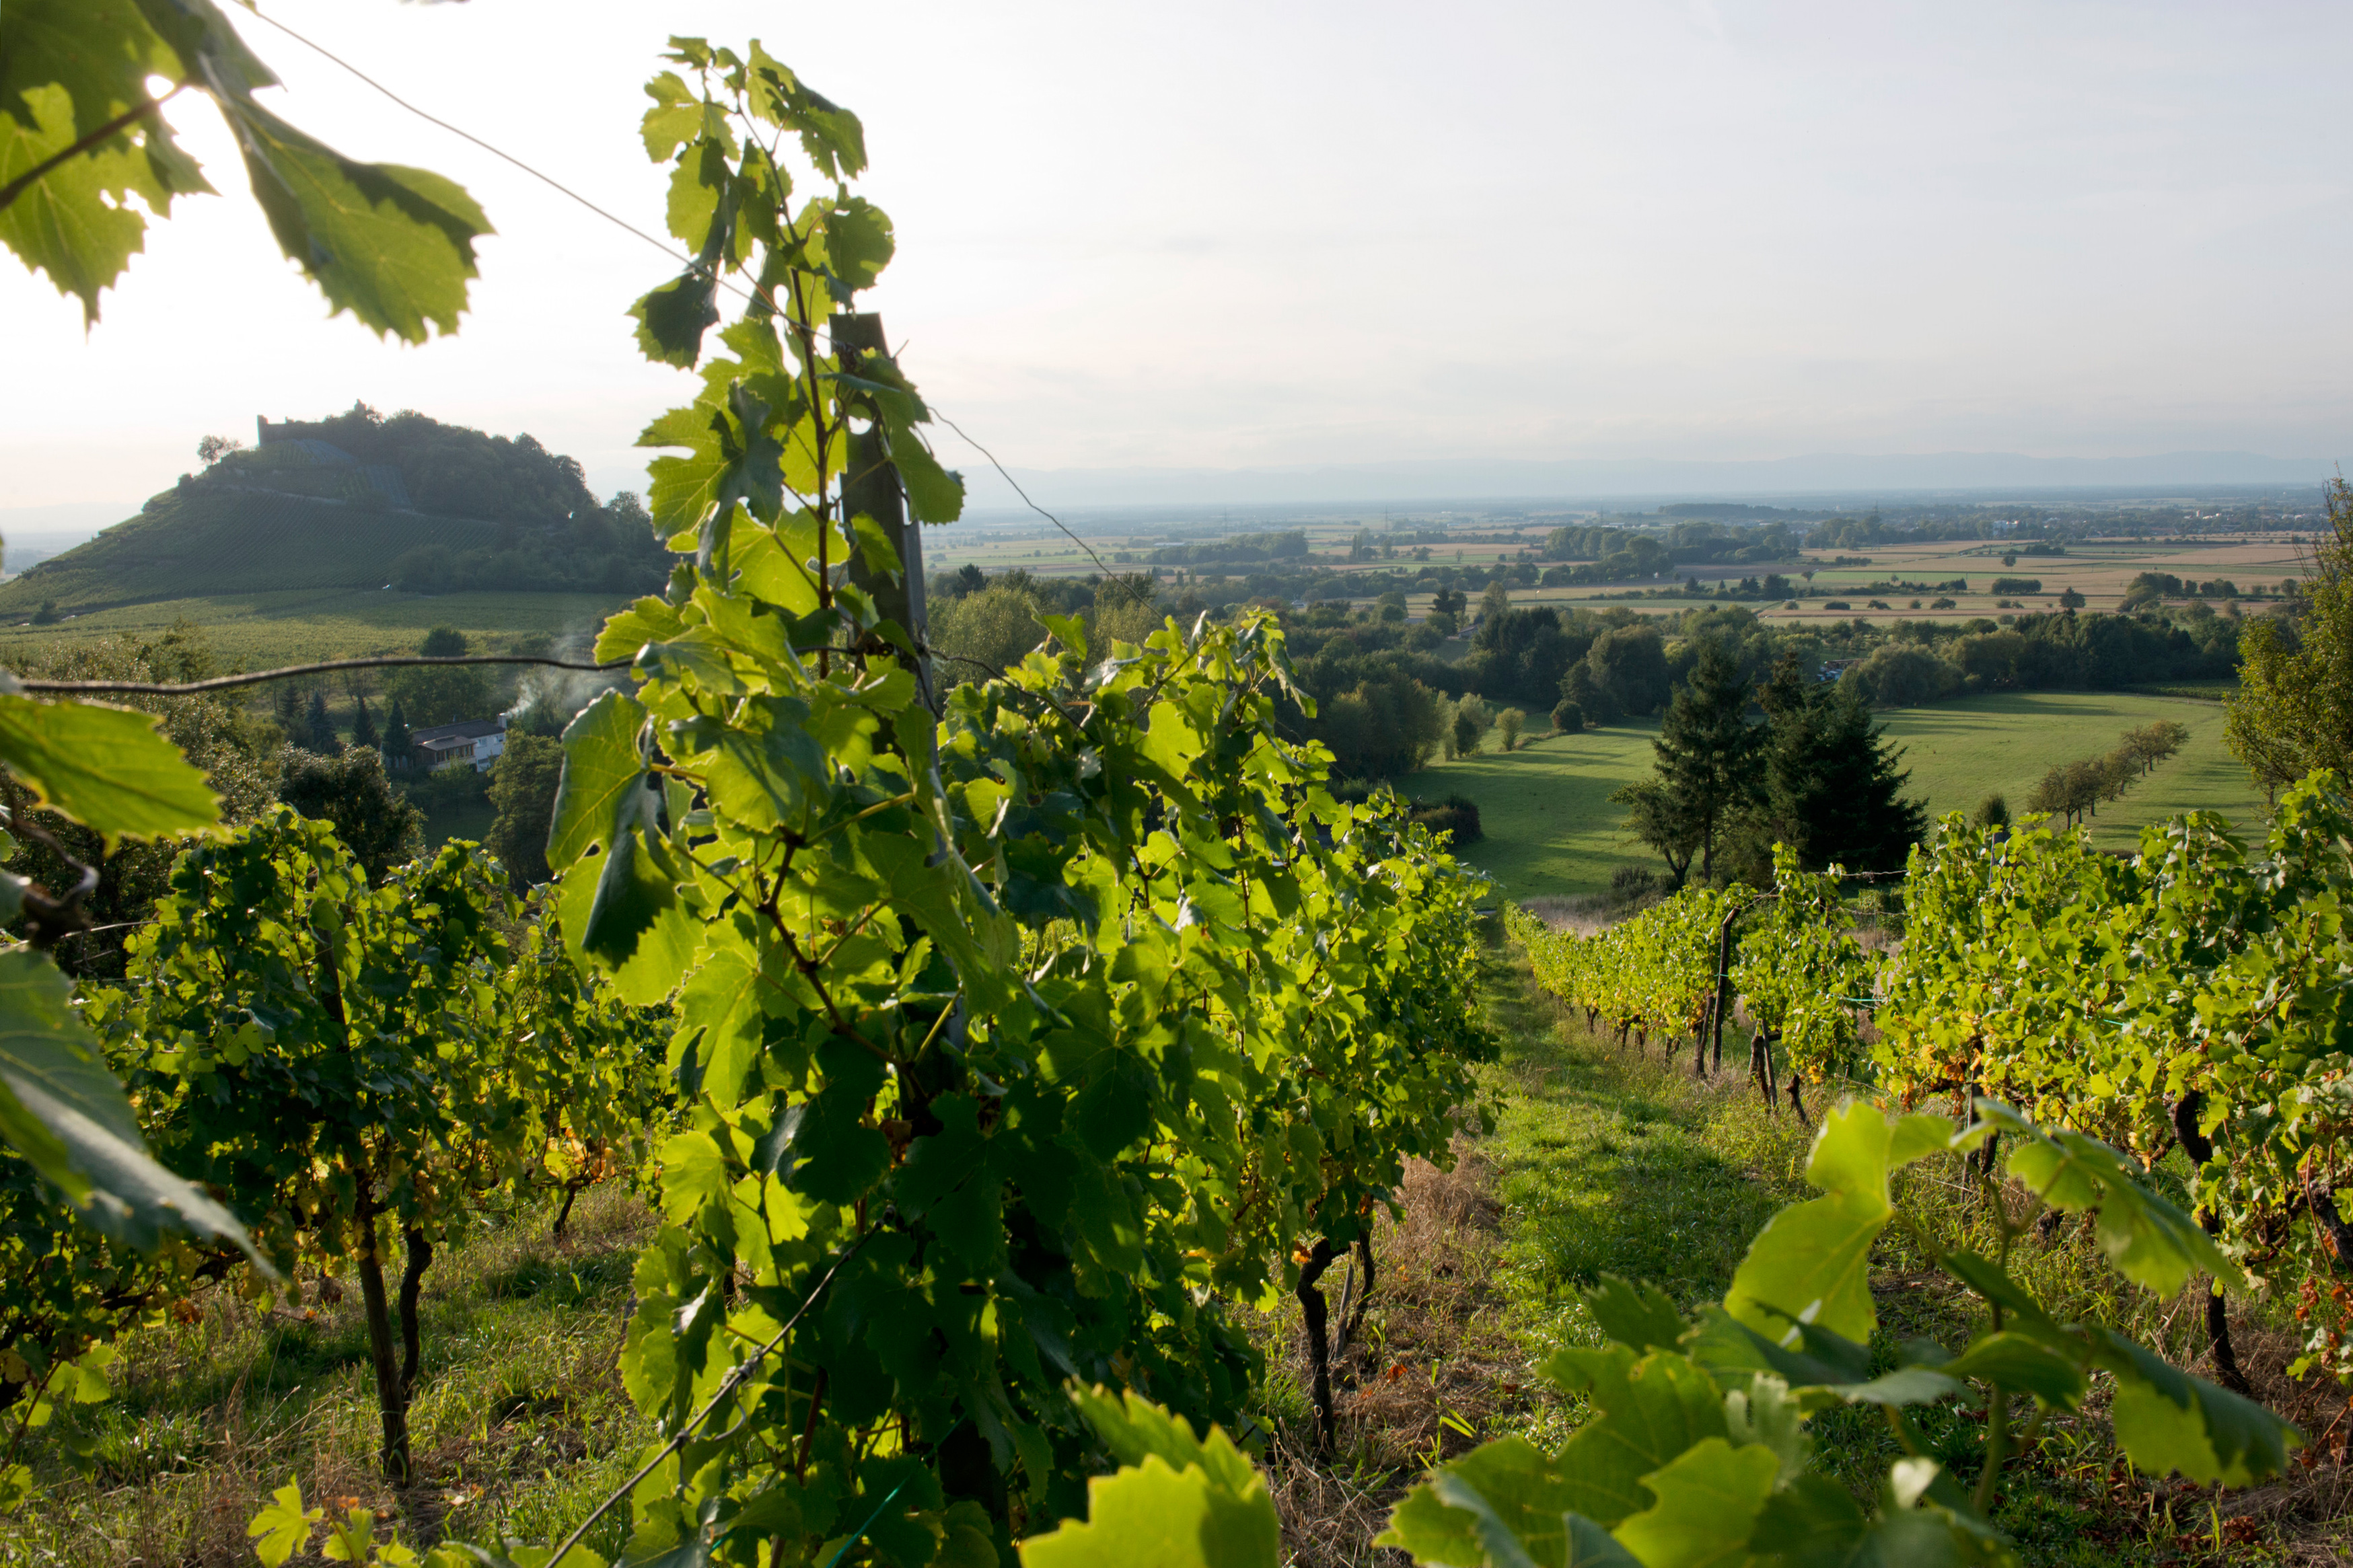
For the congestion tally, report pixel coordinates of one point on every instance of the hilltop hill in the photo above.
(361, 502)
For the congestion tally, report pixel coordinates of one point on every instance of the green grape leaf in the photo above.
(604, 775)
(620, 909)
(1811, 1261)
(392, 245)
(65, 1113)
(67, 223)
(1768, 1414)
(1817, 1359)
(2168, 1420)
(110, 769)
(1505, 1490)
(1812, 1520)
(1132, 1427)
(2023, 1364)
(1637, 1316)
(1708, 1499)
(2150, 1242)
(1151, 1515)
(281, 1530)
(1652, 1408)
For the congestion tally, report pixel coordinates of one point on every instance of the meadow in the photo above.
(1551, 830)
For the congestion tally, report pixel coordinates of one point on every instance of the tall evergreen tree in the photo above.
(1707, 749)
(364, 731)
(395, 737)
(1833, 790)
(318, 728)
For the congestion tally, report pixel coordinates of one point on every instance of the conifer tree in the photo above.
(395, 737)
(1833, 790)
(1707, 749)
(318, 728)
(363, 732)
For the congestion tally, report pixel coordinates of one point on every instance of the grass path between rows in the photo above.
(1604, 1161)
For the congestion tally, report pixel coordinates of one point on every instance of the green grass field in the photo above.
(1552, 832)
(257, 630)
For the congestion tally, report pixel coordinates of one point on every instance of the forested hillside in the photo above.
(405, 502)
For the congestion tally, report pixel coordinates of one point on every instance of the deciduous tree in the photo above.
(2294, 709)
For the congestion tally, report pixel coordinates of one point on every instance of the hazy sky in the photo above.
(1221, 235)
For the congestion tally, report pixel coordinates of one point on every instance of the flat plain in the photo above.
(1551, 830)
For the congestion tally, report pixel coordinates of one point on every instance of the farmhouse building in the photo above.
(478, 741)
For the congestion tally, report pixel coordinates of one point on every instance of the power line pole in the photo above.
(872, 487)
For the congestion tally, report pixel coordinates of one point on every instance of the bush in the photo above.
(1941, 603)
(1509, 723)
(1457, 814)
(1630, 884)
(2017, 585)
(47, 616)
(1836, 605)
(1568, 719)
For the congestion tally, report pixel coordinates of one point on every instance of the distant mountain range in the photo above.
(1597, 480)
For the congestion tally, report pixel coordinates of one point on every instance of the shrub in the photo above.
(1836, 605)
(1629, 884)
(1941, 605)
(1509, 723)
(1457, 814)
(1568, 719)
(2018, 584)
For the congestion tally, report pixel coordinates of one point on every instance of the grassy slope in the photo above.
(1551, 830)
(518, 1422)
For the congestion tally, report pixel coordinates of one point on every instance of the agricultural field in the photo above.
(1551, 830)
(2098, 569)
(257, 630)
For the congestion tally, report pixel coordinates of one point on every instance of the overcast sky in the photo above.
(1229, 235)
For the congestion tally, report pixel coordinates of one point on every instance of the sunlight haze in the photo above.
(1229, 236)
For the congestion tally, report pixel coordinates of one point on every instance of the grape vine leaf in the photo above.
(1708, 1498)
(2022, 1364)
(1177, 1501)
(2168, 1420)
(1811, 1261)
(392, 245)
(1650, 1408)
(2150, 1240)
(65, 1113)
(1636, 1315)
(621, 906)
(110, 769)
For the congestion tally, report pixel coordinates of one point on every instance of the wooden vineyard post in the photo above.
(870, 487)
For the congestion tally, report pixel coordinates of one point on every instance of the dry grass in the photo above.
(518, 1413)
(1432, 1372)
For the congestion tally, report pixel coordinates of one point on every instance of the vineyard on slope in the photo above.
(1012, 1031)
(2197, 995)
